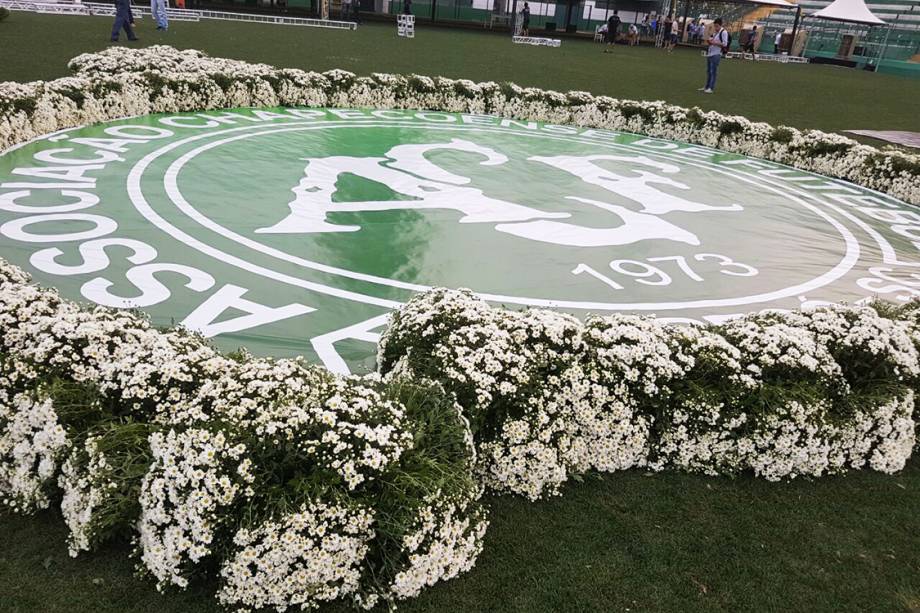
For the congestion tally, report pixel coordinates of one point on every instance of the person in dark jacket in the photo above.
(124, 18)
(613, 31)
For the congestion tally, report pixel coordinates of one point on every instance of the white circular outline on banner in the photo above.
(849, 259)
(845, 265)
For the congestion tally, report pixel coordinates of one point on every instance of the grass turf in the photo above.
(626, 541)
(824, 97)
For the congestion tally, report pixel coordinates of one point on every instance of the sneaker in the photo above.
(133, 39)
(707, 91)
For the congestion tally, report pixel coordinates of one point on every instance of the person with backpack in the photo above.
(718, 44)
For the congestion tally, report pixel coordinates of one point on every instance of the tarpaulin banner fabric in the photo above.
(296, 231)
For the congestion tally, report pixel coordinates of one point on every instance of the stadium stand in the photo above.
(892, 48)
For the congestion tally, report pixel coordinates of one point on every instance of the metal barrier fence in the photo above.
(278, 19)
(108, 10)
(103, 9)
(537, 41)
(59, 8)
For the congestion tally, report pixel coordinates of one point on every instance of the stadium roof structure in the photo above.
(851, 11)
(776, 3)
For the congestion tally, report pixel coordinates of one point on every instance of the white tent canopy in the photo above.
(854, 11)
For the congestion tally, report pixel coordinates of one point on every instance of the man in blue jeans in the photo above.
(158, 12)
(717, 43)
(123, 19)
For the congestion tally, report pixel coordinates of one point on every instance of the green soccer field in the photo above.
(822, 97)
(629, 541)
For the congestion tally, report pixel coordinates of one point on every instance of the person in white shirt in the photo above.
(718, 42)
(674, 36)
(777, 41)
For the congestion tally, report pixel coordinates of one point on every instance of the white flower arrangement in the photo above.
(779, 394)
(117, 351)
(195, 475)
(204, 456)
(307, 557)
(32, 443)
(540, 397)
(444, 541)
(84, 481)
(122, 82)
(339, 424)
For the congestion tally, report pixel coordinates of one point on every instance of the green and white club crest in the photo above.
(295, 231)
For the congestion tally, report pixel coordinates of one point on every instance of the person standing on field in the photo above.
(158, 12)
(674, 35)
(525, 20)
(718, 42)
(752, 39)
(613, 27)
(124, 19)
(664, 28)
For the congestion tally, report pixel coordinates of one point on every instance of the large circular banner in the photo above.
(295, 231)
